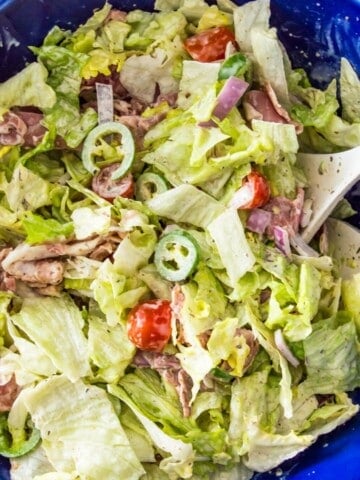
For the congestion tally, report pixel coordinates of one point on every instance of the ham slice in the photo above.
(35, 131)
(264, 105)
(8, 394)
(48, 272)
(140, 125)
(286, 213)
(22, 127)
(12, 129)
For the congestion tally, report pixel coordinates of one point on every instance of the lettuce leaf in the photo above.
(340, 133)
(39, 229)
(160, 287)
(109, 349)
(254, 36)
(26, 190)
(28, 87)
(186, 204)
(79, 274)
(349, 92)
(332, 358)
(34, 465)
(71, 419)
(350, 290)
(197, 363)
(317, 107)
(30, 363)
(246, 18)
(180, 460)
(251, 431)
(139, 439)
(90, 221)
(55, 326)
(266, 340)
(115, 293)
(141, 75)
(64, 68)
(135, 250)
(227, 232)
(196, 78)
(296, 317)
(162, 417)
(225, 344)
(93, 23)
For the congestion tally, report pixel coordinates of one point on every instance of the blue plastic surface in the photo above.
(316, 34)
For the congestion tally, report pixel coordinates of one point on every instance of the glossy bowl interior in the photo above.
(316, 33)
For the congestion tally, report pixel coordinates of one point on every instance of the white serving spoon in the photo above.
(344, 246)
(331, 176)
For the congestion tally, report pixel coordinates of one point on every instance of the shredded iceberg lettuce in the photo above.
(261, 338)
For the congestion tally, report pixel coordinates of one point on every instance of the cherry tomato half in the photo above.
(209, 45)
(254, 193)
(149, 325)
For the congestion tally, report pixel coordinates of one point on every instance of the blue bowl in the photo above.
(316, 33)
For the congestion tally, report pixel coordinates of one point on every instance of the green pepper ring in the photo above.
(235, 65)
(143, 191)
(127, 144)
(26, 447)
(178, 265)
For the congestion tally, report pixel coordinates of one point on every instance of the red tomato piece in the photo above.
(254, 193)
(149, 325)
(209, 45)
(105, 187)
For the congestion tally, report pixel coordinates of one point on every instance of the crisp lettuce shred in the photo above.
(264, 342)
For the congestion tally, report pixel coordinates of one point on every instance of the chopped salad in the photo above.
(161, 316)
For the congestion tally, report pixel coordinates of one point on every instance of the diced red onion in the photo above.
(243, 196)
(306, 213)
(258, 220)
(302, 248)
(233, 89)
(282, 240)
(283, 348)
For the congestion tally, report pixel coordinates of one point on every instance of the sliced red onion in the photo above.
(105, 102)
(283, 348)
(233, 89)
(306, 213)
(208, 124)
(282, 240)
(302, 248)
(243, 196)
(258, 220)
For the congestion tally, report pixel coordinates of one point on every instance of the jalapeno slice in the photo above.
(234, 66)
(176, 255)
(148, 185)
(95, 145)
(11, 449)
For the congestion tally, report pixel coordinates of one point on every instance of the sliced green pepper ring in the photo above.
(93, 146)
(10, 451)
(234, 66)
(176, 255)
(150, 184)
